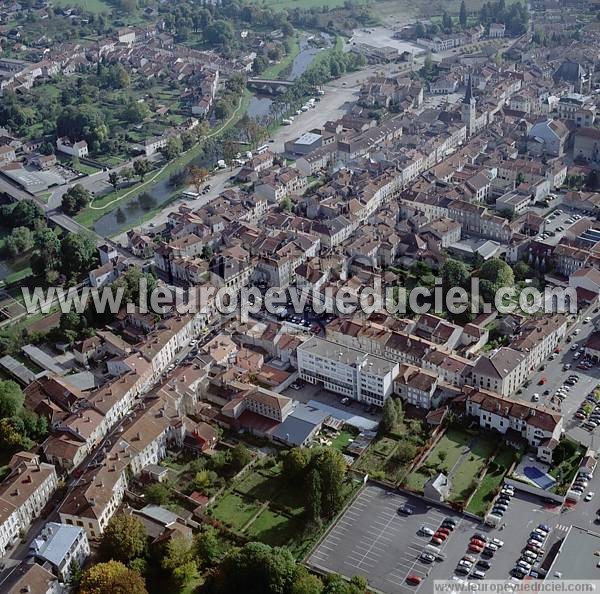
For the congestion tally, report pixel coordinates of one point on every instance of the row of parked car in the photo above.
(580, 484)
(589, 412)
(531, 553)
(473, 566)
(501, 503)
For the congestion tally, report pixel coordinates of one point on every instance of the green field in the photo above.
(490, 483)
(234, 511)
(94, 6)
(469, 470)
(450, 457)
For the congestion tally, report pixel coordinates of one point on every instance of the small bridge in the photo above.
(273, 87)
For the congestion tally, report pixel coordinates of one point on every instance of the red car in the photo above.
(440, 535)
(436, 541)
(414, 579)
(473, 548)
(477, 542)
(444, 531)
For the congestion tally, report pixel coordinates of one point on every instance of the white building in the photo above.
(347, 371)
(62, 546)
(541, 428)
(75, 149)
(497, 30)
(23, 495)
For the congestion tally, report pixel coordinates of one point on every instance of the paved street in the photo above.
(555, 376)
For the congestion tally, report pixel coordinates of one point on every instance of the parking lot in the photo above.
(557, 223)
(371, 539)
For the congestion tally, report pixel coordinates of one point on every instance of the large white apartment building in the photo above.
(23, 495)
(347, 371)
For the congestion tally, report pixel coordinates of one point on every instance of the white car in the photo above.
(589, 496)
(587, 320)
(426, 531)
(574, 347)
(498, 542)
(576, 331)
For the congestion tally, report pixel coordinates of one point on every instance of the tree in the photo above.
(124, 539)
(158, 494)
(462, 17)
(295, 463)
(74, 199)
(132, 281)
(522, 271)
(497, 272)
(563, 451)
(112, 578)
(141, 167)
(519, 179)
(256, 568)
(220, 32)
(173, 148)
(82, 122)
(196, 176)
(19, 241)
(420, 30)
(331, 467)
(26, 213)
(113, 179)
(78, 254)
(313, 499)
(240, 457)
(208, 550)
(389, 419)
(135, 112)
(454, 273)
(305, 582)
(12, 435)
(286, 204)
(11, 398)
(179, 559)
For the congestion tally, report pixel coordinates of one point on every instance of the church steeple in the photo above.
(468, 110)
(469, 92)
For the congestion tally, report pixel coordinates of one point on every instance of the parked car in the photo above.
(406, 510)
(415, 580)
(426, 531)
(427, 557)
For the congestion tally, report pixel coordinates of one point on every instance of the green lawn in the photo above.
(565, 472)
(491, 481)
(234, 511)
(445, 455)
(464, 476)
(94, 6)
(452, 443)
(342, 439)
(272, 528)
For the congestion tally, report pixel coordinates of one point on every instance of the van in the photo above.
(433, 550)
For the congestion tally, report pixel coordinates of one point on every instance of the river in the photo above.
(130, 213)
(260, 105)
